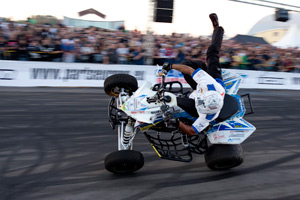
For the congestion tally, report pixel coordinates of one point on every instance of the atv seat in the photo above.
(229, 108)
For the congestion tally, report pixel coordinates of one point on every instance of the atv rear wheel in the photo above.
(224, 156)
(124, 162)
(114, 83)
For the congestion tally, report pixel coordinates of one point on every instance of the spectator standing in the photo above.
(138, 56)
(2, 46)
(157, 60)
(225, 60)
(179, 54)
(46, 49)
(236, 61)
(112, 54)
(296, 65)
(12, 47)
(104, 53)
(196, 53)
(68, 48)
(162, 50)
(254, 63)
(170, 55)
(33, 50)
(57, 51)
(22, 49)
(98, 57)
(123, 53)
(86, 52)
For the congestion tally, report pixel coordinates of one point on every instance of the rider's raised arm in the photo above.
(183, 69)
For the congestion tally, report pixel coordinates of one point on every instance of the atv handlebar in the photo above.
(160, 94)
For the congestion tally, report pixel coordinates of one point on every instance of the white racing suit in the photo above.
(205, 83)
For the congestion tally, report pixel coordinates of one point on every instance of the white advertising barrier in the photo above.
(269, 80)
(55, 74)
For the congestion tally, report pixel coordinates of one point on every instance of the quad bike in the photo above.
(132, 110)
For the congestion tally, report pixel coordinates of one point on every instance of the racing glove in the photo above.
(167, 66)
(170, 120)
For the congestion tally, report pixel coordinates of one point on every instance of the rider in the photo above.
(209, 92)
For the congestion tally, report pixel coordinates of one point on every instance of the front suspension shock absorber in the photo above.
(128, 133)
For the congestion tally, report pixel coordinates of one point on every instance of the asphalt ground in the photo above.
(53, 142)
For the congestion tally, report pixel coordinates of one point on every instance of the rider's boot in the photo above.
(214, 19)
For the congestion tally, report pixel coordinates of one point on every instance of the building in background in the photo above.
(109, 25)
(271, 30)
(291, 39)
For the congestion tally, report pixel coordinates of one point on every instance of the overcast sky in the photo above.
(190, 16)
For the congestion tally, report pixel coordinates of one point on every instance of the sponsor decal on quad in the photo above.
(138, 112)
(216, 136)
(237, 135)
(234, 139)
(155, 112)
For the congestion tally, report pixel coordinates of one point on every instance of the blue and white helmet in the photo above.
(210, 102)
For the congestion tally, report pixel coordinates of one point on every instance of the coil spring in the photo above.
(127, 133)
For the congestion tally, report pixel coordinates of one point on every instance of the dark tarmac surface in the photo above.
(54, 141)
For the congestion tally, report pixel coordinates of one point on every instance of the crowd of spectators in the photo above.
(58, 43)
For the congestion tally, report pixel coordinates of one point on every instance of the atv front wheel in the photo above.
(114, 83)
(124, 162)
(224, 156)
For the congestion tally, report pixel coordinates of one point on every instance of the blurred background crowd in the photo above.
(58, 43)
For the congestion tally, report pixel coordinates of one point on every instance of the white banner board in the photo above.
(57, 74)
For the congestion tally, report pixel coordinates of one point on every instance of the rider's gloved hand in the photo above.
(170, 120)
(167, 66)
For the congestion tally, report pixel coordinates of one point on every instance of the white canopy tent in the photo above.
(290, 39)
